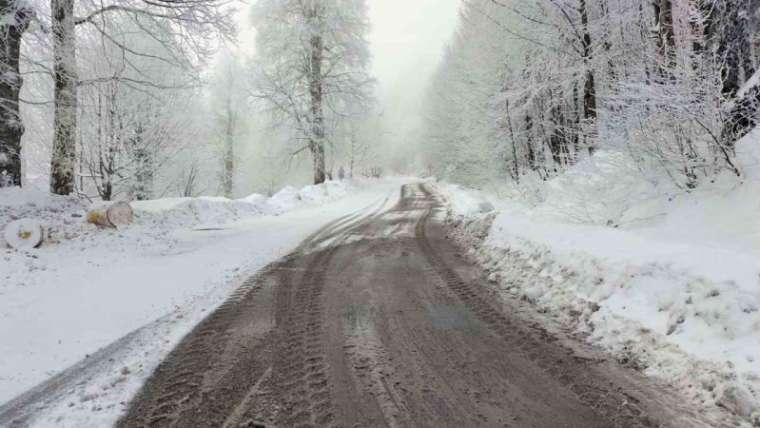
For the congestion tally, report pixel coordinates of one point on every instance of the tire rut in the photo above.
(218, 373)
(300, 369)
(563, 367)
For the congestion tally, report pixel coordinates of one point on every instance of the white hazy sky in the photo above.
(407, 38)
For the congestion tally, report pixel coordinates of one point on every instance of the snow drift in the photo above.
(64, 216)
(668, 282)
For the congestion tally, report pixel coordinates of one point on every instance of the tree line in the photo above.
(530, 88)
(116, 93)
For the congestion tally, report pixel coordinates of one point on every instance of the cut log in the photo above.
(24, 234)
(110, 214)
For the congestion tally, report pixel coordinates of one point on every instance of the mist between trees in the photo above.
(141, 99)
(526, 89)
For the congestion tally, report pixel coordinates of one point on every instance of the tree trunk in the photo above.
(317, 138)
(144, 166)
(11, 128)
(229, 165)
(607, 36)
(577, 125)
(228, 169)
(515, 164)
(666, 38)
(729, 30)
(529, 143)
(63, 161)
(743, 117)
(589, 87)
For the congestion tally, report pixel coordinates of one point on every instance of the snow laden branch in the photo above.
(531, 88)
(144, 45)
(311, 68)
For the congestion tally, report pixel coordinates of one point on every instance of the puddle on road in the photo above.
(356, 318)
(448, 317)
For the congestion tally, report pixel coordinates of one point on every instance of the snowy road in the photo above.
(377, 320)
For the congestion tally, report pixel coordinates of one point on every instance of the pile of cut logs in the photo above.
(27, 233)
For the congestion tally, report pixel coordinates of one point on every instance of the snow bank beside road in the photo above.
(677, 294)
(216, 211)
(64, 216)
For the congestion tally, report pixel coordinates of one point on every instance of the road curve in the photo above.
(378, 321)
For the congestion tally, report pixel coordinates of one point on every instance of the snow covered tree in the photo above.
(15, 20)
(186, 28)
(730, 29)
(540, 85)
(311, 67)
(63, 161)
(228, 107)
(135, 113)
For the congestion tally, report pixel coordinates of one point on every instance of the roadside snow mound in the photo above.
(284, 200)
(668, 283)
(289, 197)
(255, 199)
(313, 193)
(64, 216)
(598, 190)
(194, 212)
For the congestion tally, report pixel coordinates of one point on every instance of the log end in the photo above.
(24, 234)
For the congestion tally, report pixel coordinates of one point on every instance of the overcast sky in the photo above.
(407, 40)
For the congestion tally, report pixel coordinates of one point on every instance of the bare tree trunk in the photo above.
(515, 164)
(730, 29)
(532, 164)
(229, 164)
(607, 42)
(577, 130)
(228, 179)
(317, 138)
(666, 39)
(11, 128)
(65, 98)
(589, 87)
(144, 165)
(666, 50)
(555, 138)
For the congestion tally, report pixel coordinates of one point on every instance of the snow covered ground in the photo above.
(87, 287)
(668, 282)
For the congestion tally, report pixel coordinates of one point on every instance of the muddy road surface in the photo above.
(379, 321)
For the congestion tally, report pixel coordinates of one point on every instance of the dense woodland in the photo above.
(527, 89)
(148, 98)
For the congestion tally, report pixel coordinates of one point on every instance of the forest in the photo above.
(134, 98)
(141, 99)
(145, 99)
(526, 90)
